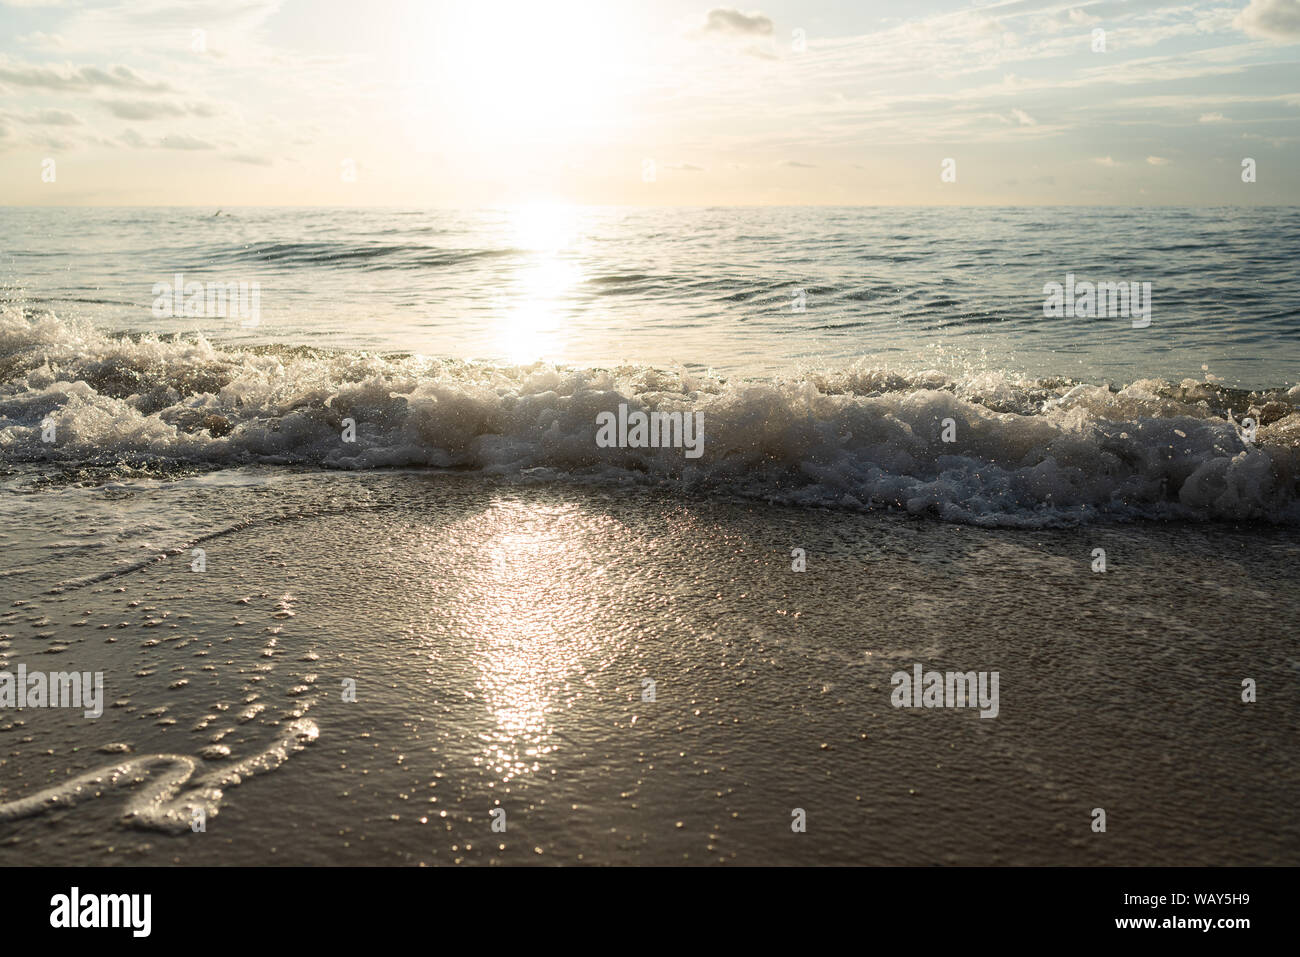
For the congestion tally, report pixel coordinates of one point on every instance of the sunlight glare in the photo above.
(531, 323)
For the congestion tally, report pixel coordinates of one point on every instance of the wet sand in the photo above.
(499, 637)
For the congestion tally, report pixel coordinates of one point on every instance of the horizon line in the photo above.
(554, 202)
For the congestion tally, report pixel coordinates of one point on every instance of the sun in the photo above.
(502, 73)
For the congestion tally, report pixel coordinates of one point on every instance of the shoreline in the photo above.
(500, 636)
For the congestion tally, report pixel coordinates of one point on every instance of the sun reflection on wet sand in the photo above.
(530, 634)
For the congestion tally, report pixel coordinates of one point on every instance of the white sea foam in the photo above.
(161, 804)
(1025, 453)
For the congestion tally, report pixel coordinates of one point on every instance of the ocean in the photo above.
(320, 494)
(826, 348)
(750, 292)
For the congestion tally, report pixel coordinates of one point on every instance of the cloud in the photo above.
(953, 76)
(156, 109)
(1157, 161)
(141, 109)
(56, 118)
(1271, 19)
(53, 142)
(46, 118)
(727, 20)
(165, 28)
(72, 78)
(180, 141)
(174, 141)
(40, 40)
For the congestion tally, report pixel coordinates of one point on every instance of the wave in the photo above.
(371, 256)
(984, 448)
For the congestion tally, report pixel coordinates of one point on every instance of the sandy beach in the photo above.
(500, 636)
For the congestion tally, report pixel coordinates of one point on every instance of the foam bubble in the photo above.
(1026, 453)
(161, 804)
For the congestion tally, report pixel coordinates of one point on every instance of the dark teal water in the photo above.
(958, 289)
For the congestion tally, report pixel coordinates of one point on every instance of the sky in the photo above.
(664, 102)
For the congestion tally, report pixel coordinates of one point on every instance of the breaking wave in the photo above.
(1025, 453)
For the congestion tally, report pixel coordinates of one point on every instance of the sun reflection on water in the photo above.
(532, 323)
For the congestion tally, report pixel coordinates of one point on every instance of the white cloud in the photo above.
(727, 20)
(56, 118)
(174, 141)
(156, 109)
(46, 117)
(76, 78)
(180, 141)
(1271, 19)
(40, 41)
